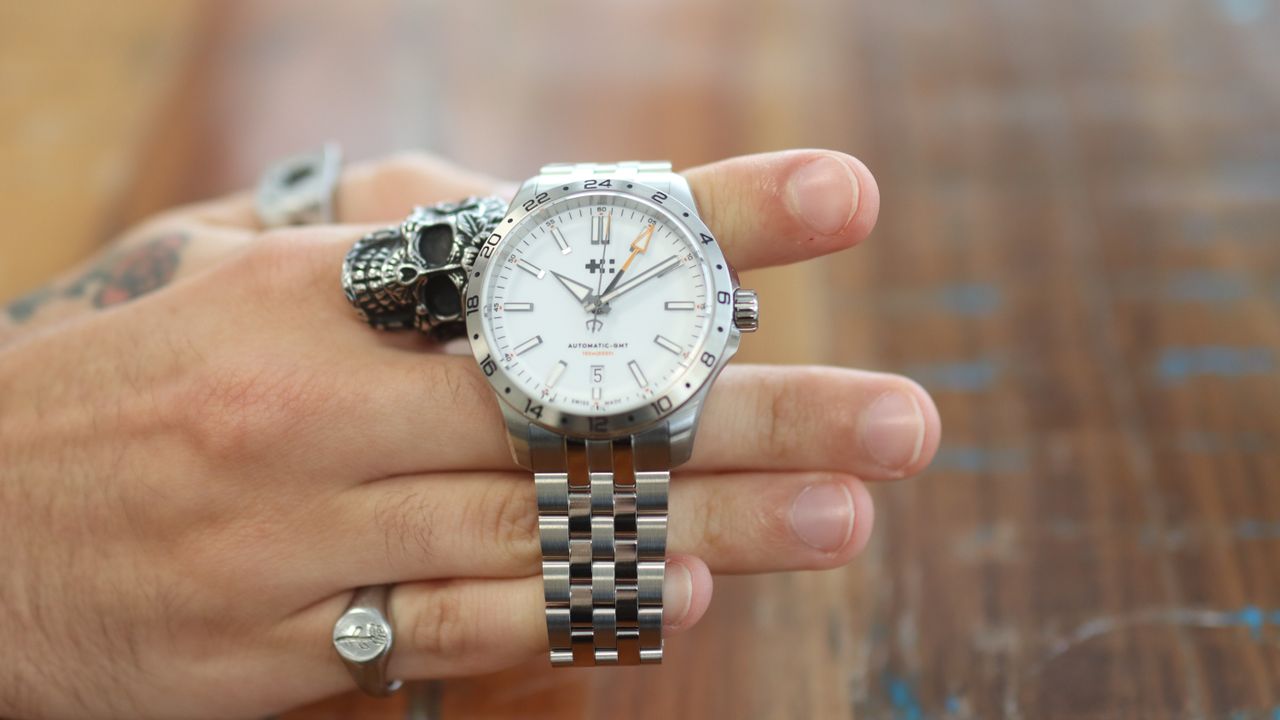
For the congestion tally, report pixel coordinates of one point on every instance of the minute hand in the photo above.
(660, 269)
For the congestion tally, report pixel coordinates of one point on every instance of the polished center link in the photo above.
(603, 527)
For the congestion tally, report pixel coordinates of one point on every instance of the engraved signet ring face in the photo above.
(363, 638)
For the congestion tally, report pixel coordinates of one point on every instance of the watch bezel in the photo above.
(721, 339)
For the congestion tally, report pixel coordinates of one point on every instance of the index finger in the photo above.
(767, 209)
(783, 207)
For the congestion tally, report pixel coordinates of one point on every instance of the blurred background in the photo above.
(1078, 254)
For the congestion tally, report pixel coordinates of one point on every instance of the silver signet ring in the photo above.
(363, 638)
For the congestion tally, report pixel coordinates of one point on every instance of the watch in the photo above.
(600, 310)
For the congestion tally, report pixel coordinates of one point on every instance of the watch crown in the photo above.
(746, 310)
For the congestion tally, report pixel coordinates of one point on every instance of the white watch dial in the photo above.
(597, 303)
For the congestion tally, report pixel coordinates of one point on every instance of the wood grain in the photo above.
(1078, 255)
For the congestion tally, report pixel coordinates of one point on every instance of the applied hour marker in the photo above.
(679, 305)
(667, 345)
(556, 372)
(596, 393)
(528, 345)
(601, 224)
(530, 268)
(559, 238)
(517, 307)
(637, 373)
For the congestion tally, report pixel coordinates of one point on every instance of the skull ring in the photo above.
(413, 276)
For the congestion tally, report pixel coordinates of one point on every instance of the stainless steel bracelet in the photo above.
(602, 520)
(602, 505)
(654, 173)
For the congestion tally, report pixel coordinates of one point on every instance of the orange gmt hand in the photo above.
(639, 245)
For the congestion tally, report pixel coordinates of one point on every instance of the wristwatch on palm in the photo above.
(601, 309)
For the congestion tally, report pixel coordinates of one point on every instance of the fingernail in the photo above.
(822, 516)
(892, 430)
(823, 194)
(677, 593)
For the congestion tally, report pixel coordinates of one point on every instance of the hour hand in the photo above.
(579, 290)
(658, 270)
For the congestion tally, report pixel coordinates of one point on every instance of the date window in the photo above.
(597, 374)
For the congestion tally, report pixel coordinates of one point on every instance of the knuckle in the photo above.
(408, 520)
(781, 415)
(461, 381)
(389, 176)
(715, 203)
(801, 414)
(715, 535)
(278, 260)
(768, 524)
(245, 406)
(441, 628)
(398, 164)
(503, 516)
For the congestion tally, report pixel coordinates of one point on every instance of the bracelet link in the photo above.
(603, 529)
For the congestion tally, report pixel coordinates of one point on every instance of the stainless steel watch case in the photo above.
(674, 414)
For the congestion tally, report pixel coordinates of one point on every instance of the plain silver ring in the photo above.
(300, 190)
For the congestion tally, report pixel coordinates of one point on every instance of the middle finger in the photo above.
(874, 425)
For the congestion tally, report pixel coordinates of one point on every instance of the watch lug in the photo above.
(683, 425)
(528, 189)
(681, 191)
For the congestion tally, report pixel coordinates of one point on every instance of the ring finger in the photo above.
(447, 628)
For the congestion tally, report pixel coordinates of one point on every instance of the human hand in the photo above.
(192, 483)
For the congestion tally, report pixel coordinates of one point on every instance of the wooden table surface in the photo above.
(1078, 254)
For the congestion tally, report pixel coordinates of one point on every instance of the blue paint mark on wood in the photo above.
(1179, 537)
(1179, 364)
(1243, 12)
(976, 459)
(964, 376)
(902, 696)
(970, 299)
(1206, 286)
(1253, 618)
(963, 299)
(1210, 442)
(953, 704)
(1256, 530)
